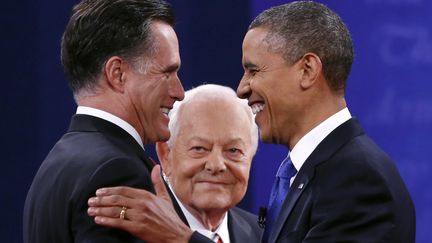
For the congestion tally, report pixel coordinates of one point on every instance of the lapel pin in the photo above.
(301, 186)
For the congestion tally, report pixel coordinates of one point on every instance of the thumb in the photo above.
(158, 183)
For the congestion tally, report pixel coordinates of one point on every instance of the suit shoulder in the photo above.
(238, 212)
(243, 221)
(362, 156)
(243, 226)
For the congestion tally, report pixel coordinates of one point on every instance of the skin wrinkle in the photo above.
(209, 168)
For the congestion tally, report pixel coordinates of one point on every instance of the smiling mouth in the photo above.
(257, 107)
(212, 182)
(165, 110)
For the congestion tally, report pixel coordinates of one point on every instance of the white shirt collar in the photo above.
(113, 119)
(196, 225)
(307, 144)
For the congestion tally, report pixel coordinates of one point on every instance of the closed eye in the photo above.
(253, 71)
(250, 68)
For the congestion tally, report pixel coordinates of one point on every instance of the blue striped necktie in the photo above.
(279, 191)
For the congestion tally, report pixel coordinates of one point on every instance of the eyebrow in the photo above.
(249, 65)
(171, 68)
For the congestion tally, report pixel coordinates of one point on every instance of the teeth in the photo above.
(257, 108)
(165, 110)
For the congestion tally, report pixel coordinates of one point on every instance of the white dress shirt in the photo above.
(113, 119)
(307, 144)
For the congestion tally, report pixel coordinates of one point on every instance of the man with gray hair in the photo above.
(206, 164)
(122, 58)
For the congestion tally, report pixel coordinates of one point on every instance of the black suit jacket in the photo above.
(94, 153)
(242, 225)
(348, 190)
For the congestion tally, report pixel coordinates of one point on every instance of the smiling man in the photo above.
(207, 162)
(336, 184)
(206, 165)
(122, 59)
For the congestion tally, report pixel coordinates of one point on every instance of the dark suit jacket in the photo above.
(242, 225)
(93, 153)
(348, 190)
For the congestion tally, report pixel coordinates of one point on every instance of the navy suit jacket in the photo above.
(348, 190)
(94, 153)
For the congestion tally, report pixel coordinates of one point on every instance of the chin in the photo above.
(163, 136)
(212, 202)
(266, 138)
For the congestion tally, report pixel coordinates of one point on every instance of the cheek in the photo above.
(240, 174)
(152, 93)
(182, 187)
(241, 171)
(182, 179)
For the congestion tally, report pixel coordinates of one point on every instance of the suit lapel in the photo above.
(177, 207)
(335, 140)
(236, 234)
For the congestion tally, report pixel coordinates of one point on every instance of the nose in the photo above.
(244, 90)
(176, 90)
(215, 163)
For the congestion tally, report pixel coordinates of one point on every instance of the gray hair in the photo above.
(210, 91)
(305, 26)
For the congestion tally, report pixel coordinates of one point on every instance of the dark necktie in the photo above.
(279, 191)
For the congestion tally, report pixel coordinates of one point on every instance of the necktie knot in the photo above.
(287, 169)
(217, 238)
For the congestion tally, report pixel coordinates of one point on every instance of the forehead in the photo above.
(162, 30)
(214, 119)
(255, 38)
(259, 49)
(166, 41)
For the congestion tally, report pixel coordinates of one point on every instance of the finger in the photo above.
(111, 212)
(105, 201)
(116, 223)
(158, 183)
(118, 190)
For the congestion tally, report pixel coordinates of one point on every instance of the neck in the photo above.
(111, 104)
(209, 218)
(315, 115)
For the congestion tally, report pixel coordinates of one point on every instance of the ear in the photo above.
(312, 66)
(114, 73)
(163, 152)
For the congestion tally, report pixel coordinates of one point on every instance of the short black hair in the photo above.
(305, 26)
(99, 29)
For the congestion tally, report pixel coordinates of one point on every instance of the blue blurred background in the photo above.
(389, 89)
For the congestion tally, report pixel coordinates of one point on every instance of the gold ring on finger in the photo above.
(123, 212)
